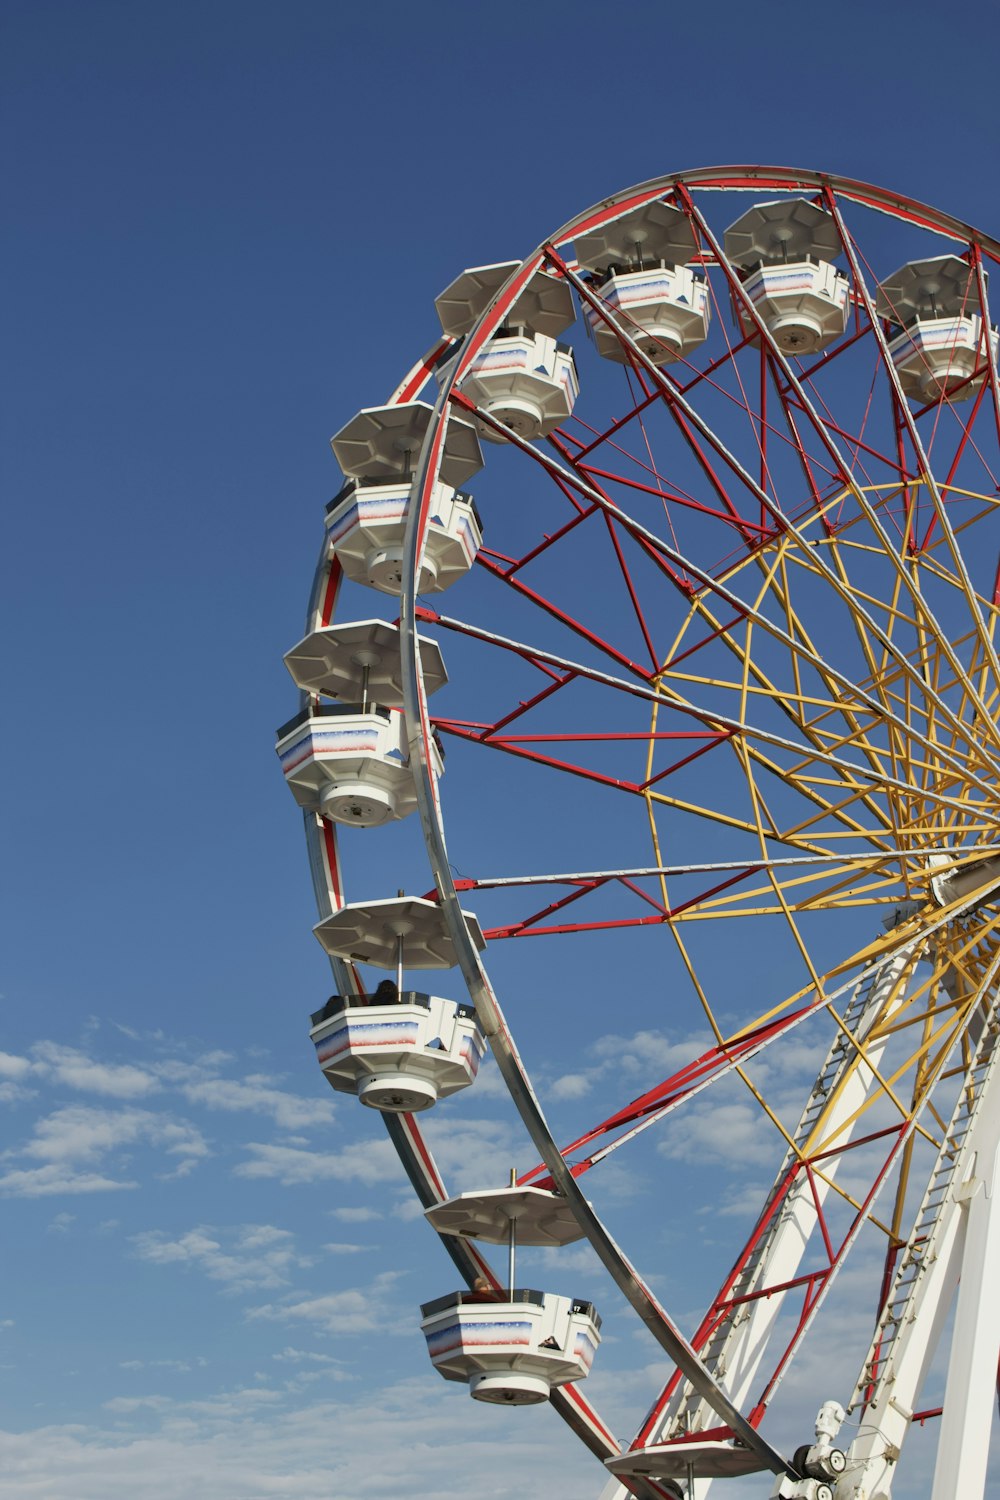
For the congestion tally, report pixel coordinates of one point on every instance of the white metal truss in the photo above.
(955, 1234)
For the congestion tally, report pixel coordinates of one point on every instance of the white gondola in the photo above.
(511, 1352)
(938, 346)
(378, 450)
(638, 270)
(664, 308)
(350, 763)
(819, 1464)
(952, 881)
(786, 249)
(370, 932)
(687, 1458)
(401, 1057)
(524, 378)
(366, 526)
(526, 381)
(384, 443)
(511, 1347)
(362, 661)
(523, 1215)
(938, 357)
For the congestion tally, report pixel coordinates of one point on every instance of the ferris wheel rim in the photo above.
(655, 1317)
(753, 178)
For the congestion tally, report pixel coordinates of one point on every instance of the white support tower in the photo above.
(954, 1243)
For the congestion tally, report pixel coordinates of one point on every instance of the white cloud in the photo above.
(181, 1071)
(179, 1366)
(13, 1070)
(288, 1355)
(476, 1154)
(365, 1161)
(130, 1404)
(262, 1236)
(15, 1093)
(417, 1437)
(42, 1182)
(731, 1134)
(350, 1310)
(60, 1224)
(183, 1169)
(571, 1086)
(250, 1257)
(340, 1248)
(80, 1132)
(489, 1083)
(78, 1136)
(644, 1057)
(646, 1050)
(354, 1215)
(78, 1071)
(740, 1199)
(256, 1094)
(408, 1209)
(556, 1262)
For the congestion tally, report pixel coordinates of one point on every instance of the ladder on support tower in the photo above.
(921, 1250)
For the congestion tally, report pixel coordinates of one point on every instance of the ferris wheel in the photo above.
(658, 610)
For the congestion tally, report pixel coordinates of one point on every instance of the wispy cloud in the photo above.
(161, 1447)
(83, 1133)
(178, 1366)
(13, 1067)
(78, 1070)
(43, 1182)
(478, 1155)
(74, 1141)
(571, 1086)
(365, 1161)
(354, 1215)
(256, 1095)
(288, 1355)
(14, 1075)
(349, 1310)
(249, 1257)
(15, 1093)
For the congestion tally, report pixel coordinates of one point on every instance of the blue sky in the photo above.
(226, 224)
